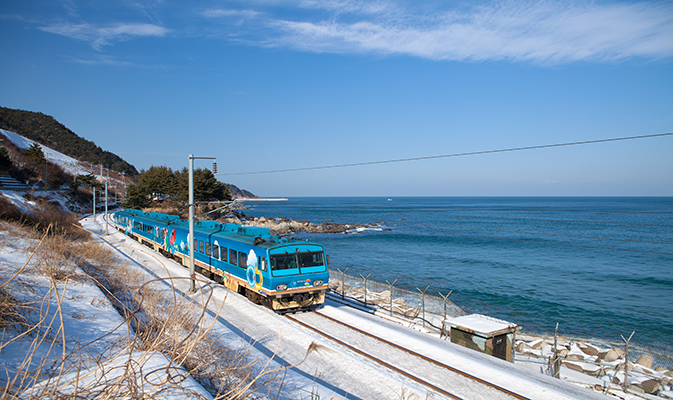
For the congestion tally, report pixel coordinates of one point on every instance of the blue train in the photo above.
(280, 273)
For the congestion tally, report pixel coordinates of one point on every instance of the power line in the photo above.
(546, 146)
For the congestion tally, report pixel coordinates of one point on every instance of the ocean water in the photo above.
(599, 266)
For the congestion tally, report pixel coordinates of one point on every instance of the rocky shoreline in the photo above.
(588, 363)
(606, 365)
(286, 226)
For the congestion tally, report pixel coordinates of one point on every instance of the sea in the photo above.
(600, 267)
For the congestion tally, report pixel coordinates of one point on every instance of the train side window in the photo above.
(232, 256)
(196, 245)
(200, 246)
(263, 264)
(216, 251)
(242, 260)
(208, 248)
(223, 254)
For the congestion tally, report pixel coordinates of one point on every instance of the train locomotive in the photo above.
(280, 273)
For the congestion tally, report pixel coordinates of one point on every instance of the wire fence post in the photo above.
(391, 296)
(626, 361)
(423, 302)
(556, 365)
(365, 279)
(343, 284)
(442, 332)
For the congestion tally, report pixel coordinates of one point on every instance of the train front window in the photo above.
(313, 259)
(283, 261)
(282, 264)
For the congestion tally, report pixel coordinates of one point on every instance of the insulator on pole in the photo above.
(214, 167)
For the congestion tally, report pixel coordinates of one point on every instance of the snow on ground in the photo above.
(329, 370)
(28, 206)
(68, 164)
(18, 199)
(310, 365)
(84, 320)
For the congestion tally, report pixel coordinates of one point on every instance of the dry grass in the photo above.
(14, 314)
(157, 323)
(45, 215)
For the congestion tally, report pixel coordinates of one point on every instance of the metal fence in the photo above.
(425, 309)
(391, 295)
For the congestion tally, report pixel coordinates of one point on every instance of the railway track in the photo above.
(441, 379)
(437, 377)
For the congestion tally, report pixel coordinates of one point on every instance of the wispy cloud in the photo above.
(217, 13)
(100, 36)
(543, 32)
(100, 59)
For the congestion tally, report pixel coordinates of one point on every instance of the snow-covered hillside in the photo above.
(68, 164)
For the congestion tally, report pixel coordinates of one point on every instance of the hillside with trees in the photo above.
(48, 131)
(148, 188)
(163, 185)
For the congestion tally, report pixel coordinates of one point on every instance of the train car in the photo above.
(280, 273)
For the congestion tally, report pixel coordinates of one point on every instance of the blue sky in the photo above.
(273, 84)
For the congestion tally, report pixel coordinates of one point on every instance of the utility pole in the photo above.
(192, 272)
(106, 216)
(94, 203)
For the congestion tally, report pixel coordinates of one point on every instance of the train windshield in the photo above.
(297, 263)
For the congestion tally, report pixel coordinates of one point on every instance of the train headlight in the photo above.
(317, 283)
(281, 287)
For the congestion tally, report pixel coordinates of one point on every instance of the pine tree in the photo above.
(5, 161)
(35, 154)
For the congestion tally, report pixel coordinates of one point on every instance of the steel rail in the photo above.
(440, 390)
(377, 360)
(425, 358)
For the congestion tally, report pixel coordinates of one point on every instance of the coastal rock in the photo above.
(585, 368)
(669, 373)
(650, 386)
(588, 349)
(645, 360)
(385, 294)
(284, 226)
(572, 365)
(609, 355)
(636, 389)
(537, 344)
(374, 300)
(231, 220)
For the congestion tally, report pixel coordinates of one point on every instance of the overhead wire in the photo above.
(545, 146)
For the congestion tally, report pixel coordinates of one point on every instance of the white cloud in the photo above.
(99, 36)
(218, 13)
(545, 32)
(102, 60)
